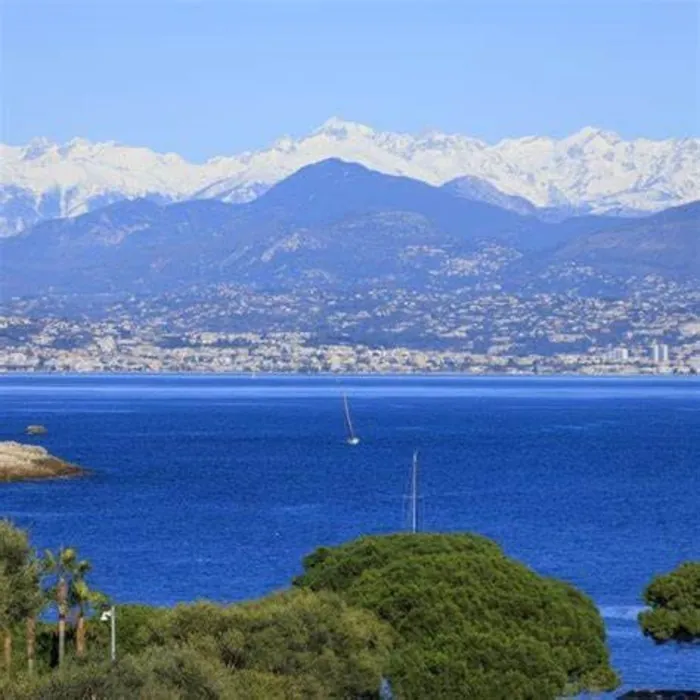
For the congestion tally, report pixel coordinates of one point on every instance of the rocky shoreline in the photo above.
(20, 462)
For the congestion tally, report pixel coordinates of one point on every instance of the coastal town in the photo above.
(296, 353)
(228, 329)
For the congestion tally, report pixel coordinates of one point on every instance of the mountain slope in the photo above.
(333, 225)
(668, 242)
(591, 170)
(478, 190)
(333, 221)
(334, 189)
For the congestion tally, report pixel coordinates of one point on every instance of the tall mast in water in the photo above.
(414, 492)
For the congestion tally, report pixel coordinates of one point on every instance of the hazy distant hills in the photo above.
(333, 224)
(591, 171)
(665, 243)
(478, 190)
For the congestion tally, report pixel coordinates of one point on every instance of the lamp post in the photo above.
(111, 615)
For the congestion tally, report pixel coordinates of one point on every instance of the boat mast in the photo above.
(414, 493)
(347, 416)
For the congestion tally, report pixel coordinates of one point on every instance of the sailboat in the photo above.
(352, 439)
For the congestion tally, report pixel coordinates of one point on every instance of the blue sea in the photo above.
(216, 487)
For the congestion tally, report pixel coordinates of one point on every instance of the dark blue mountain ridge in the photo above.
(334, 222)
(321, 193)
(667, 242)
(111, 224)
(102, 225)
(142, 243)
(333, 189)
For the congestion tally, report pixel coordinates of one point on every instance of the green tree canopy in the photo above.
(20, 591)
(18, 565)
(316, 638)
(297, 645)
(471, 623)
(674, 601)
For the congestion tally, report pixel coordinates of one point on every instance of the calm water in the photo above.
(216, 487)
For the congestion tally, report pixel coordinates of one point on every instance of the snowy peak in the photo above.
(591, 170)
(592, 140)
(588, 133)
(338, 128)
(36, 148)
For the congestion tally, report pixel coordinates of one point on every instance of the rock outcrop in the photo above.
(24, 462)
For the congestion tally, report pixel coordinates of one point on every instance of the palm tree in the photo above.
(6, 617)
(60, 569)
(84, 599)
(31, 643)
(34, 602)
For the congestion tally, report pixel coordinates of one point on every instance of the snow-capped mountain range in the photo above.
(590, 171)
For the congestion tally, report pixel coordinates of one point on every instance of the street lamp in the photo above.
(111, 615)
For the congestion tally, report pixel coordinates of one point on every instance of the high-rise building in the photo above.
(659, 353)
(618, 355)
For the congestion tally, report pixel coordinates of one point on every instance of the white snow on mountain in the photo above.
(591, 170)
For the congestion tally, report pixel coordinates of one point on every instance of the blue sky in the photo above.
(208, 77)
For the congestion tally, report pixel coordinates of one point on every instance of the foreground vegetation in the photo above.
(446, 616)
(674, 601)
(470, 622)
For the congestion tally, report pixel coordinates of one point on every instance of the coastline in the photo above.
(397, 374)
(22, 462)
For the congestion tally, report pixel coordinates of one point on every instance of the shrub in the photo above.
(674, 600)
